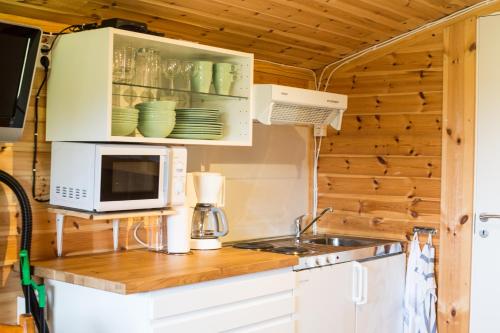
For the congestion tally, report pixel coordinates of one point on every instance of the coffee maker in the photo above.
(209, 221)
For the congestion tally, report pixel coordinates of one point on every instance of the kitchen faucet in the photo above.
(298, 222)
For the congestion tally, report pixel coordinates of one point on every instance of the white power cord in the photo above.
(338, 64)
(313, 73)
(393, 40)
(317, 149)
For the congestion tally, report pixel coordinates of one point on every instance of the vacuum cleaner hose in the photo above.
(26, 231)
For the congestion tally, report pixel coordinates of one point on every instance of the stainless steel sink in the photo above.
(324, 249)
(340, 241)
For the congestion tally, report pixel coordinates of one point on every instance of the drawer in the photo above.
(213, 294)
(271, 313)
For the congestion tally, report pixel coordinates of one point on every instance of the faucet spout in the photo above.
(326, 210)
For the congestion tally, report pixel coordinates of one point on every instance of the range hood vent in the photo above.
(275, 104)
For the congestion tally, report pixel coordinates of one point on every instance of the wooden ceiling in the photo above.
(304, 33)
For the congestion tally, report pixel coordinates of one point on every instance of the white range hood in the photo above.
(275, 104)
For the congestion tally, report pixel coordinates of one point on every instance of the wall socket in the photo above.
(45, 43)
(319, 130)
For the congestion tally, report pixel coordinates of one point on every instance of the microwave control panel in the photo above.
(177, 171)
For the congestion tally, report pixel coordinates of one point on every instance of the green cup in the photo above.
(223, 77)
(201, 76)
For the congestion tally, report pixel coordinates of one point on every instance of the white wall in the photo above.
(266, 184)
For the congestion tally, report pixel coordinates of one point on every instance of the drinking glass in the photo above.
(148, 64)
(171, 68)
(124, 64)
(156, 234)
(185, 71)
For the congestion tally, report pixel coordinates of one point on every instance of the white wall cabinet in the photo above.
(258, 303)
(364, 297)
(81, 90)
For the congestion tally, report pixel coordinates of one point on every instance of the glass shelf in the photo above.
(136, 93)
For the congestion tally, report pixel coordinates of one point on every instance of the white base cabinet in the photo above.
(354, 297)
(364, 297)
(257, 303)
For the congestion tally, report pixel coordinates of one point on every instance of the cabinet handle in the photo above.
(364, 283)
(357, 285)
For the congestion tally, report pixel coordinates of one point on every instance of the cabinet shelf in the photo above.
(133, 90)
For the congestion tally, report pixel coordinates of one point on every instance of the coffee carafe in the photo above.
(209, 221)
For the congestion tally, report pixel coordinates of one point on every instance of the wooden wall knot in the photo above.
(381, 160)
(464, 219)
(472, 47)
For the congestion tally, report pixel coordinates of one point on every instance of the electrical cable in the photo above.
(45, 63)
(71, 28)
(357, 55)
(44, 60)
(313, 73)
(393, 40)
(317, 149)
(30, 296)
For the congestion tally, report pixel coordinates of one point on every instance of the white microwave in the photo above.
(112, 177)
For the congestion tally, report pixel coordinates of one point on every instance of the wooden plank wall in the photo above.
(405, 154)
(80, 236)
(382, 171)
(457, 190)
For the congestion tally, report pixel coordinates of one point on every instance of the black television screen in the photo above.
(20, 46)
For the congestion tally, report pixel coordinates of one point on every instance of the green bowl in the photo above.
(157, 118)
(163, 112)
(161, 105)
(123, 109)
(156, 129)
(127, 116)
(128, 112)
(124, 120)
(123, 128)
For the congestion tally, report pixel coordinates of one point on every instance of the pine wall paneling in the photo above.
(414, 104)
(381, 172)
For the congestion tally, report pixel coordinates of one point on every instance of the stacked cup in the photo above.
(156, 118)
(201, 76)
(224, 74)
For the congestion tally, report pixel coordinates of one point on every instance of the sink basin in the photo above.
(337, 241)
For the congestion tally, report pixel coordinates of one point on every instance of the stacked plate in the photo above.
(156, 118)
(197, 123)
(124, 120)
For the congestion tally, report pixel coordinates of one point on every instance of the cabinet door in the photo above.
(324, 302)
(382, 310)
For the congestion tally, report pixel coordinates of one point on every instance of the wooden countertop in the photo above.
(137, 271)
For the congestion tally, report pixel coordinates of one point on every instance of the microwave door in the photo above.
(129, 182)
